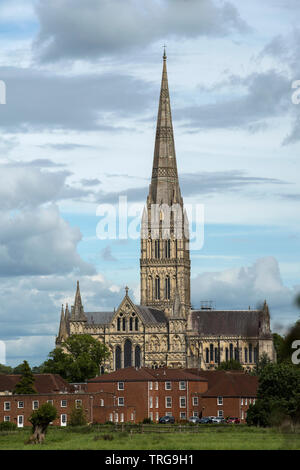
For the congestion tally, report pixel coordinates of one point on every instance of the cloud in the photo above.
(237, 288)
(244, 103)
(38, 100)
(106, 254)
(39, 242)
(192, 184)
(66, 146)
(72, 29)
(90, 182)
(27, 185)
(29, 332)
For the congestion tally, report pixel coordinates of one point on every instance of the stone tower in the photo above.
(165, 258)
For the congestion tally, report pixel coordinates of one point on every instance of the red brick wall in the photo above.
(14, 411)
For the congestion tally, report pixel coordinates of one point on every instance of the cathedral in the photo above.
(164, 330)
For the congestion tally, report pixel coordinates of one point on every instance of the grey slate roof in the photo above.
(99, 318)
(226, 322)
(147, 314)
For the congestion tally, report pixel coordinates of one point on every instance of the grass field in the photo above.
(208, 438)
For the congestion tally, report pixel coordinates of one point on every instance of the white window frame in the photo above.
(111, 418)
(196, 414)
(156, 416)
(169, 413)
(220, 414)
(195, 401)
(61, 403)
(20, 422)
(121, 417)
(182, 385)
(121, 387)
(119, 403)
(156, 385)
(151, 415)
(101, 402)
(182, 414)
(150, 385)
(19, 406)
(242, 401)
(180, 404)
(78, 404)
(33, 404)
(5, 419)
(150, 402)
(246, 401)
(166, 402)
(220, 401)
(168, 387)
(4, 406)
(63, 419)
(50, 401)
(156, 402)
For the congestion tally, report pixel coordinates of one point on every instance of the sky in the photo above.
(77, 131)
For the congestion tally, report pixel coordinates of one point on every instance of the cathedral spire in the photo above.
(164, 186)
(77, 309)
(62, 334)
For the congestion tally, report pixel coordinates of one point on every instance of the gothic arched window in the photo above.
(137, 356)
(136, 324)
(246, 355)
(231, 351)
(157, 288)
(118, 358)
(157, 249)
(236, 354)
(255, 354)
(167, 288)
(226, 354)
(130, 323)
(127, 353)
(119, 324)
(206, 355)
(250, 353)
(167, 248)
(124, 324)
(211, 352)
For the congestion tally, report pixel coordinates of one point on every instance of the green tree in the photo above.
(40, 420)
(79, 358)
(232, 364)
(26, 383)
(278, 344)
(5, 369)
(261, 364)
(278, 395)
(286, 349)
(77, 417)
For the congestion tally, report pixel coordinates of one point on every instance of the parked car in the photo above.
(233, 420)
(167, 419)
(194, 419)
(205, 420)
(219, 420)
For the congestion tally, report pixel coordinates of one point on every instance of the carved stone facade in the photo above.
(164, 330)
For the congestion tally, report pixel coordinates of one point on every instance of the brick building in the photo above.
(130, 395)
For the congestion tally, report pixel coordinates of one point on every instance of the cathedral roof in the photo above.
(148, 315)
(225, 322)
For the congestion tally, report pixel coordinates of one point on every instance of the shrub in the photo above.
(147, 421)
(77, 417)
(8, 426)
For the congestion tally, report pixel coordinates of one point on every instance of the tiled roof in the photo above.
(225, 322)
(44, 383)
(131, 374)
(228, 383)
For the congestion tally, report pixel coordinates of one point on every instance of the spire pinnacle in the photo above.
(164, 183)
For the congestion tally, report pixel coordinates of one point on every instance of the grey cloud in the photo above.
(74, 29)
(192, 184)
(90, 182)
(240, 287)
(264, 96)
(41, 163)
(29, 186)
(106, 254)
(40, 100)
(39, 242)
(66, 146)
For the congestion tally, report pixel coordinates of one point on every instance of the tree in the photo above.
(40, 420)
(77, 417)
(79, 358)
(286, 348)
(261, 364)
(26, 383)
(278, 395)
(232, 364)
(278, 344)
(5, 369)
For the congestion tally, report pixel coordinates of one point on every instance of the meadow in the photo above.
(236, 437)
